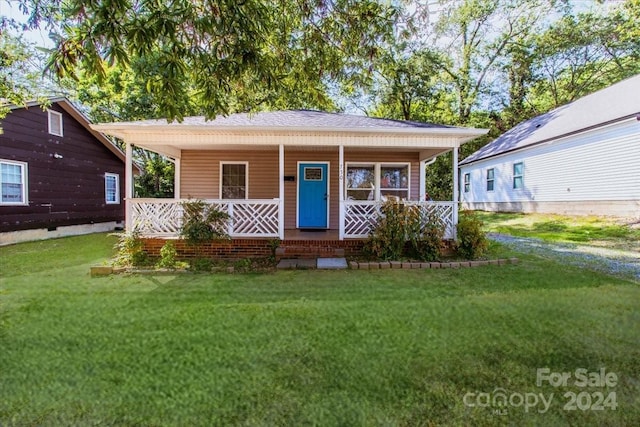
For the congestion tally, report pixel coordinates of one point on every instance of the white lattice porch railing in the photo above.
(163, 217)
(361, 215)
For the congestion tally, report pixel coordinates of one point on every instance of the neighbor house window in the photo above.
(467, 182)
(490, 179)
(518, 179)
(234, 178)
(13, 183)
(377, 181)
(112, 188)
(55, 123)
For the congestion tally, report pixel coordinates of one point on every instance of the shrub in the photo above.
(427, 237)
(243, 265)
(201, 264)
(471, 242)
(388, 237)
(168, 256)
(130, 250)
(203, 223)
(404, 230)
(274, 244)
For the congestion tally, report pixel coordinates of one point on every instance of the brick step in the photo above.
(302, 252)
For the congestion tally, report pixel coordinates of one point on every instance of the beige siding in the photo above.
(201, 174)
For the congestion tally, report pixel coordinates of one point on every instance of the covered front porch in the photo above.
(280, 174)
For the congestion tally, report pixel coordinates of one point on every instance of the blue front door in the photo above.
(313, 195)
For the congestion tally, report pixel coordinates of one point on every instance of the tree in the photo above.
(405, 85)
(474, 35)
(582, 53)
(157, 176)
(225, 54)
(20, 80)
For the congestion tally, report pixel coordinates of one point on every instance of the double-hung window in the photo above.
(55, 123)
(467, 182)
(377, 181)
(361, 181)
(13, 183)
(394, 181)
(112, 188)
(234, 180)
(518, 176)
(490, 179)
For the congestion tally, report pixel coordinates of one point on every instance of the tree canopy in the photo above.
(226, 55)
(484, 63)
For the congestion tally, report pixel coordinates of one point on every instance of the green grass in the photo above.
(558, 228)
(385, 347)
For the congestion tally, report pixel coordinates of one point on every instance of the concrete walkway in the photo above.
(319, 263)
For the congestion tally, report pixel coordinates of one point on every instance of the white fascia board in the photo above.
(177, 129)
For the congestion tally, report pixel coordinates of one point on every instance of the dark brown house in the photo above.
(57, 175)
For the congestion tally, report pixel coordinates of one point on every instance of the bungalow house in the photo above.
(58, 176)
(289, 174)
(582, 158)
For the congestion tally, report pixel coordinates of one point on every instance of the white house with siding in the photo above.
(582, 158)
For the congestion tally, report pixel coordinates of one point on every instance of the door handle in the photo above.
(326, 196)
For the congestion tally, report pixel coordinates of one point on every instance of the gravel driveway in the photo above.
(613, 261)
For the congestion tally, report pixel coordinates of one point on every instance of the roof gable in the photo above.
(77, 115)
(616, 102)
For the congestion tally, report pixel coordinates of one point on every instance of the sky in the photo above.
(38, 36)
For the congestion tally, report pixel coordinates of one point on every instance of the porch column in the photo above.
(128, 187)
(176, 178)
(281, 191)
(423, 180)
(341, 191)
(455, 191)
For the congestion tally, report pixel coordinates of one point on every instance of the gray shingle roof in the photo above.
(604, 106)
(292, 118)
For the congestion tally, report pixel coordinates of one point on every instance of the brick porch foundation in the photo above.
(259, 248)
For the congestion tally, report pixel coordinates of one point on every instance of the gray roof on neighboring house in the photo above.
(616, 102)
(291, 118)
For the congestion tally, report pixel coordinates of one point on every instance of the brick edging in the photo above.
(357, 265)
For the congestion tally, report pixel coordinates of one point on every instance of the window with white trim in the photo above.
(518, 176)
(234, 180)
(467, 182)
(377, 181)
(55, 123)
(112, 188)
(491, 174)
(361, 182)
(13, 183)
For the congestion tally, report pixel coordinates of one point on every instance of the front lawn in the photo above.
(600, 231)
(377, 347)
